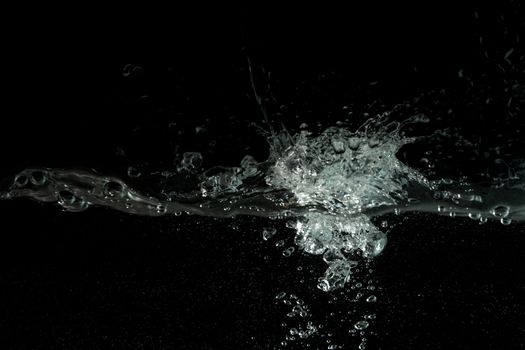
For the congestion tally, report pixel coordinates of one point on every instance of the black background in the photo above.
(103, 279)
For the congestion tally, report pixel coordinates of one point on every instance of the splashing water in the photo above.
(332, 184)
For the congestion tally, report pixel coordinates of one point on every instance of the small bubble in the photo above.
(21, 181)
(280, 295)
(441, 208)
(113, 189)
(500, 211)
(474, 216)
(268, 233)
(288, 251)
(505, 221)
(279, 243)
(360, 325)
(323, 285)
(66, 198)
(133, 172)
(297, 309)
(38, 177)
(161, 209)
(371, 299)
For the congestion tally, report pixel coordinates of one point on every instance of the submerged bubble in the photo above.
(371, 299)
(288, 251)
(360, 325)
(268, 233)
(280, 295)
(113, 189)
(191, 161)
(506, 221)
(134, 172)
(21, 180)
(501, 211)
(474, 216)
(38, 177)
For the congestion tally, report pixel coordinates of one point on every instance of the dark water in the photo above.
(267, 167)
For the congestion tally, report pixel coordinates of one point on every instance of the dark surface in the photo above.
(104, 279)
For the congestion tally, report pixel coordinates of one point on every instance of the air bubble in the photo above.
(288, 251)
(474, 216)
(371, 299)
(113, 189)
(280, 295)
(360, 325)
(501, 211)
(21, 181)
(161, 209)
(268, 233)
(191, 161)
(38, 178)
(505, 221)
(133, 172)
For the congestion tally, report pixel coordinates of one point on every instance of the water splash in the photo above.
(333, 184)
